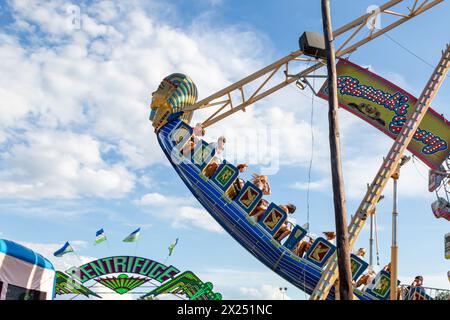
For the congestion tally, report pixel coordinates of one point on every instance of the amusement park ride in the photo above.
(315, 273)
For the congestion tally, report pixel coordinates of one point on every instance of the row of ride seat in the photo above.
(225, 177)
(248, 198)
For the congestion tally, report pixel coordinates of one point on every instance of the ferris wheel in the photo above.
(439, 182)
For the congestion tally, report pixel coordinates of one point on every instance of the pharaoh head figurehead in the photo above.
(174, 94)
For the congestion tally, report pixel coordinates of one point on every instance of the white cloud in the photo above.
(197, 217)
(313, 185)
(102, 85)
(180, 211)
(67, 261)
(153, 199)
(157, 199)
(264, 292)
(361, 170)
(104, 11)
(97, 79)
(55, 209)
(250, 284)
(50, 16)
(95, 82)
(61, 164)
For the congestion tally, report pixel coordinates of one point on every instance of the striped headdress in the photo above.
(185, 94)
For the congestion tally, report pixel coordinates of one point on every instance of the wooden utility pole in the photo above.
(394, 246)
(342, 246)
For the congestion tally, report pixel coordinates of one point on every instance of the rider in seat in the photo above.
(366, 279)
(361, 253)
(219, 146)
(418, 281)
(284, 231)
(188, 148)
(330, 235)
(303, 246)
(198, 131)
(239, 183)
(262, 182)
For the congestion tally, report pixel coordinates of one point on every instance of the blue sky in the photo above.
(79, 154)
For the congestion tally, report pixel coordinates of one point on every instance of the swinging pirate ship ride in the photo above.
(315, 273)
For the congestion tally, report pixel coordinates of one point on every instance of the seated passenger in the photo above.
(404, 292)
(387, 268)
(303, 246)
(361, 253)
(418, 281)
(366, 279)
(188, 148)
(199, 132)
(330, 235)
(239, 183)
(262, 182)
(242, 167)
(284, 231)
(259, 210)
(219, 147)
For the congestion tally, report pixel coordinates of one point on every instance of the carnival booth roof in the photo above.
(18, 251)
(24, 274)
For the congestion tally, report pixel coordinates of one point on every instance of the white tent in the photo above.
(24, 274)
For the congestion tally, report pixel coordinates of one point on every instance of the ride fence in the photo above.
(422, 293)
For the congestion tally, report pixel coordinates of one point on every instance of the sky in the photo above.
(77, 152)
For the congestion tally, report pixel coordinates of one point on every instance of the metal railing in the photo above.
(422, 293)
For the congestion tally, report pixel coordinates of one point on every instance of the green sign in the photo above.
(188, 284)
(66, 285)
(382, 286)
(123, 264)
(224, 175)
(123, 283)
(142, 270)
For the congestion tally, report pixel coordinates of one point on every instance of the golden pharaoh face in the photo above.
(160, 96)
(174, 94)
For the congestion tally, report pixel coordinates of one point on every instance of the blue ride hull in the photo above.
(297, 271)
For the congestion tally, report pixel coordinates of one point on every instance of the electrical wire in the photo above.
(311, 160)
(350, 53)
(307, 192)
(417, 169)
(410, 52)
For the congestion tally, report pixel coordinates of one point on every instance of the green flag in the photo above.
(100, 236)
(134, 236)
(172, 246)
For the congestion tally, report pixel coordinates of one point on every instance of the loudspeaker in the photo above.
(313, 44)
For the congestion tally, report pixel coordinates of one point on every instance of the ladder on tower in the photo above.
(390, 164)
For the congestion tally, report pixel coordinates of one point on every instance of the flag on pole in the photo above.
(172, 246)
(134, 236)
(100, 236)
(65, 249)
